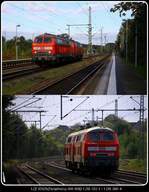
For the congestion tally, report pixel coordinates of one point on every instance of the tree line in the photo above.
(9, 48)
(131, 41)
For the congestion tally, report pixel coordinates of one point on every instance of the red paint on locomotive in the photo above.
(92, 148)
(48, 47)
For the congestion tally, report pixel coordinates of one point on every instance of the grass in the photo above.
(23, 84)
(10, 163)
(140, 70)
(138, 165)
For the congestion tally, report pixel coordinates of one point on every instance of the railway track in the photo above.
(119, 177)
(37, 177)
(19, 68)
(19, 73)
(53, 171)
(10, 64)
(70, 83)
(135, 177)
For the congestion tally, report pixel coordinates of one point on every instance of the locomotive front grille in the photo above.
(42, 54)
(101, 160)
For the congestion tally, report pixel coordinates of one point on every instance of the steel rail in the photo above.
(53, 180)
(83, 74)
(7, 64)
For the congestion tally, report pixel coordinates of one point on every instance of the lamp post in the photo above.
(16, 42)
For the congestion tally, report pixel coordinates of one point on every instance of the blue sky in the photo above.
(51, 104)
(36, 17)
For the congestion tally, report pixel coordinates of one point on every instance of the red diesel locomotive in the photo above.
(92, 149)
(48, 49)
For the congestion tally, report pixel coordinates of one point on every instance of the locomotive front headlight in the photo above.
(36, 48)
(48, 48)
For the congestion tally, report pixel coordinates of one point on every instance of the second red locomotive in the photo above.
(92, 149)
(48, 49)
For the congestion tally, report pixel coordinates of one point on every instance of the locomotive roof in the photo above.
(59, 36)
(90, 129)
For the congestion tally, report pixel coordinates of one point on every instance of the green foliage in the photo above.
(21, 142)
(133, 165)
(9, 48)
(131, 142)
(130, 30)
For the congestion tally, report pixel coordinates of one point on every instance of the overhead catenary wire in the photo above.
(26, 105)
(22, 103)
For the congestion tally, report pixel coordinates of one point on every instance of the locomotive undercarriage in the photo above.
(104, 166)
(45, 59)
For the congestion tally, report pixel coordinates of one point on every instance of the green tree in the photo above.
(132, 29)
(13, 128)
(24, 48)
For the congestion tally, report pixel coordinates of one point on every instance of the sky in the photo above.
(51, 104)
(37, 17)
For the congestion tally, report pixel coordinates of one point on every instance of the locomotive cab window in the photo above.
(78, 138)
(69, 140)
(47, 39)
(108, 136)
(38, 40)
(59, 41)
(94, 136)
(74, 139)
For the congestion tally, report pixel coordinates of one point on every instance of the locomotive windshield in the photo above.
(108, 136)
(38, 40)
(47, 39)
(94, 136)
(100, 136)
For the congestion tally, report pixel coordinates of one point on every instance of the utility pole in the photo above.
(102, 116)
(105, 38)
(93, 114)
(142, 123)
(40, 119)
(116, 107)
(68, 29)
(33, 111)
(61, 107)
(17, 41)
(90, 33)
(101, 39)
